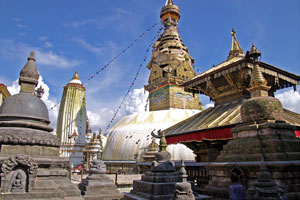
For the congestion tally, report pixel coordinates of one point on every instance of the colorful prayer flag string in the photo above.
(136, 75)
(114, 58)
(122, 52)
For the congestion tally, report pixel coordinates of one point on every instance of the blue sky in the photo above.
(83, 36)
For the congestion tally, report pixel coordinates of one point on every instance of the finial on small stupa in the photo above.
(29, 75)
(94, 136)
(258, 83)
(99, 135)
(31, 56)
(163, 142)
(236, 50)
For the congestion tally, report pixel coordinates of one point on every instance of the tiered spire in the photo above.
(170, 65)
(258, 83)
(236, 50)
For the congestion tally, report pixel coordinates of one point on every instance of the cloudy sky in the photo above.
(83, 36)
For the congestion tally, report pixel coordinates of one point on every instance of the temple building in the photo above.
(227, 86)
(247, 124)
(4, 93)
(170, 65)
(72, 121)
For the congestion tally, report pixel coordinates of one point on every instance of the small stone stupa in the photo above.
(265, 188)
(160, 182)
(29, 157)
(98, 186)
(163, 181)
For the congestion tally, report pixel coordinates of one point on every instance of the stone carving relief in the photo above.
(18, 181)
(18, 173)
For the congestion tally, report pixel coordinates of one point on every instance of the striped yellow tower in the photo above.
(71, 121)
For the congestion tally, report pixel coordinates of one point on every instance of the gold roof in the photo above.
(220, 116)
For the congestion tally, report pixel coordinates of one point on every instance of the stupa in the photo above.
(170, 65)
(29, 158)
(71, 121)
(163, 182)
(97, 185)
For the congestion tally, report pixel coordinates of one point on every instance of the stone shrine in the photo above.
(97, 186)
(265, 188)
(29, 156)
(163, 181)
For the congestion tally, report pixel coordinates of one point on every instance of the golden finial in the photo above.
(257, 77)
(236, 50)
(94, 136)
(75, 76)
(258, 83)
(99, 135)
(169, 2)
(153, 146)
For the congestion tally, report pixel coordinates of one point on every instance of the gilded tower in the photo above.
(71, 121)
(170, 65)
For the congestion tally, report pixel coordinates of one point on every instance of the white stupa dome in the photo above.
(129, 138)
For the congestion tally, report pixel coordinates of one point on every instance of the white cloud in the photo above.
(44, 39)
(14, 88)
(135, 102)
(13, 50)
(52, 59)
(19, 25)
(212, 104)
(290, 100)
(78, 23)
(117, 15)
(87, 46)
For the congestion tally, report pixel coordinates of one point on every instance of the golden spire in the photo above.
(236, 50)
(169, 2)
(94, 136)
(75, 77)
(99, 135)
(258, 83)
(257, 77)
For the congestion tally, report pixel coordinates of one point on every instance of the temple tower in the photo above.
(170, 65)
(71, 121)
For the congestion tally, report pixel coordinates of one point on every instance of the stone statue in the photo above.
(18, 181)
